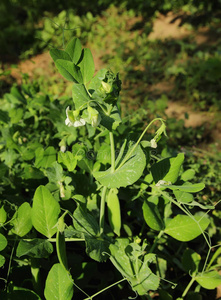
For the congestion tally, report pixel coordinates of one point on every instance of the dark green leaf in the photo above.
(37, 248)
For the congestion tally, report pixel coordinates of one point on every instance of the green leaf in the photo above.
(80, 96)
(3, 215)
(126, 174)
(85, 222)
(21, 221)
(2, 260)
(74, 49)
(110, 122)
(167, 169)
(191, 261)
(129, 260)
(44, 158)
(97, 248)
(37, 248)
(69, 70)
(188, 175)
(151, 214)
(87, 65)
(188, 187)
(68, 159)
(209, 280)
(3, 242)
(183, 197)
(45, 212)
(59, 54)
(59, 285)
(184, 228)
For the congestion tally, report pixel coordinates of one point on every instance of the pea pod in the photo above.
(114, 215)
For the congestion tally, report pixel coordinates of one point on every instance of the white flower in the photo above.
(163, 182)
(73, 118)
(63, 148)
(153, 143)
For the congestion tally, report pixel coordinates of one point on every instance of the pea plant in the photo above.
(113, 215)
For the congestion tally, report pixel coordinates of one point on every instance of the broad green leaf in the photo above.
(59, 54)
(187, 187)
(80, 96)
(190, 261)
(44, 158)
(151, 215)
(124, 175)
(3, 242)
(59, 284)
(209, 280)
(97, 248)
(85, 222)
(128, 259)
(21, 221)
(45, 212)
(37, 248)
(87, 65)
(74, 49)
(184, 228)
(2, 260)
(69, 70)
(167, 169)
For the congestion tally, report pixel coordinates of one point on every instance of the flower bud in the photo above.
(94, 116)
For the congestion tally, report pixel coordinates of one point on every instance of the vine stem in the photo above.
(110, 286)
(188, 287)
(155, 241)
(102, 209)
(112, 152)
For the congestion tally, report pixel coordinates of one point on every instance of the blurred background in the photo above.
(168, 55)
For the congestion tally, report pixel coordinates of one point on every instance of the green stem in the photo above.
(53, 240)
(110, 286)
(155, 241)
(188, 287)
(112, 152)
(102, 209)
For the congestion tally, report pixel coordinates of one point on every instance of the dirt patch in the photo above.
(167, 26)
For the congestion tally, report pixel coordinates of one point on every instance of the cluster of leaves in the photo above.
(152, 230)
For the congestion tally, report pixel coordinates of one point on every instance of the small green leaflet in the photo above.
(21, 221)
(209, 280)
